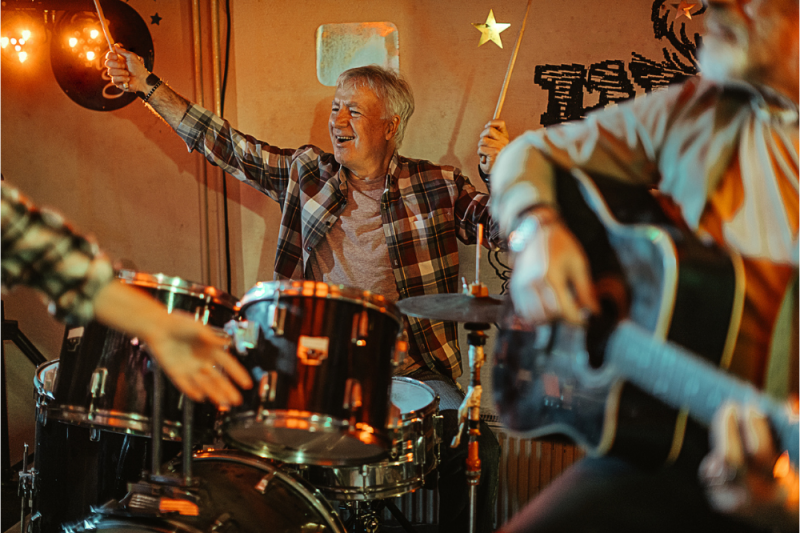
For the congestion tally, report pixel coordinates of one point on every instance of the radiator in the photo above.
(526, 467)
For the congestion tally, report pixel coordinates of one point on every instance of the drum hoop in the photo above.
(313, 495)
(276, 418)
(266, 290)
(429, 408)
(178, 286)
(113, 421)
(367, 494)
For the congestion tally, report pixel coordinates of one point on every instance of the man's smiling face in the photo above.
(362, 138)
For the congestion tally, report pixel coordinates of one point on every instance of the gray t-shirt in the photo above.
(354, 251)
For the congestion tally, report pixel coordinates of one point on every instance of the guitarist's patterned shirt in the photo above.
(727, 156)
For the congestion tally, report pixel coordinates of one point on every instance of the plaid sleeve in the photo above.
(244, 157)
(471, 209)
(40, 250)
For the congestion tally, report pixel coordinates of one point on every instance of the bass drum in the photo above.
(239, 493)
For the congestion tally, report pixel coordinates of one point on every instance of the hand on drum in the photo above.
(551, 276)
(191, 355)
(126, 70)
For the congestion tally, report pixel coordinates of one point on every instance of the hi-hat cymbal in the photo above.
(454, 307)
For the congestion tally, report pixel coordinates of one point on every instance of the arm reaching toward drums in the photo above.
(190, 353)
(42, 251)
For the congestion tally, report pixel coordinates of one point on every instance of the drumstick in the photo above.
(103, 25)
(478, 254)
(511, 62)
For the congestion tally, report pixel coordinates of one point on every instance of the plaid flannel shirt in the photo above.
(42, 251)
(424, 208)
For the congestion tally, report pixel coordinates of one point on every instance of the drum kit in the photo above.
(118, 447)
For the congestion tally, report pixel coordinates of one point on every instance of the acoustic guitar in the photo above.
(646, 376)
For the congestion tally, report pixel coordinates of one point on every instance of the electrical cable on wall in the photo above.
(224, 176)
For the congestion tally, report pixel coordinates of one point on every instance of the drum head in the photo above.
(410, 395)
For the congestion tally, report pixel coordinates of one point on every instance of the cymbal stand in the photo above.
(470, 409)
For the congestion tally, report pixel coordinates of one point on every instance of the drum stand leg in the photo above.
(11, 332)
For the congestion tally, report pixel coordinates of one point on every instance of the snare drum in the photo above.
(78, 467)
(321, 357)
(417, 435)
(237, 493)
(106, 381)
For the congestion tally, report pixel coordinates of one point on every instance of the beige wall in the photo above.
(125, 177)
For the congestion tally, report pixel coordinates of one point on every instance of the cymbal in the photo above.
(454, 307)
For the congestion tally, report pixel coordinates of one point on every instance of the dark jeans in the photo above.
(610, 495)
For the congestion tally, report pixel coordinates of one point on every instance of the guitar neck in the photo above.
(685, 381)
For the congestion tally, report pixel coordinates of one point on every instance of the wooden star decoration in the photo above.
(684, 10)
(490, 30)
(155, 19)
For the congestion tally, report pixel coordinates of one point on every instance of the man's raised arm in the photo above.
(129, 74)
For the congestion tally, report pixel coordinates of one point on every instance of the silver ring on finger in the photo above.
(125, 86)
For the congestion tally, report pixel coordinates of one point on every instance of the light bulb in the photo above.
(73, 42)
(23, 56)
(90, 55)
(26, 34)
(3, 41)
(18, 48)
(94, 34)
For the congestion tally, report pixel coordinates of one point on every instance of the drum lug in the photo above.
(98, 384)
(400, 349)
(276, 318)
(267, 386)
(222, 522)
(244, 334)
(94, 434)
(360, 330)
(352, 395)
(262, 485)
(438, 427)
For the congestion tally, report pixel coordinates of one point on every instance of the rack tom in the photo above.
(105, 378)
(321, 357)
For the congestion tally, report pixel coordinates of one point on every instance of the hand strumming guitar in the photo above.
(551, 276)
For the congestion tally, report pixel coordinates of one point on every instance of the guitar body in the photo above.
(650, 269)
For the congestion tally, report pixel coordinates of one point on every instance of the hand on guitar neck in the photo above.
(741, 474)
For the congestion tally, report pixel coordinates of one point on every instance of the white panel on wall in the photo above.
(344, 46)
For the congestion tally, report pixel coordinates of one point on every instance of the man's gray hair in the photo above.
(389, 87)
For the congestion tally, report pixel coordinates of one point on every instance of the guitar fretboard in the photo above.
(683, 380)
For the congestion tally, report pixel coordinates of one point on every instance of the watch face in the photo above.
(78, 48)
